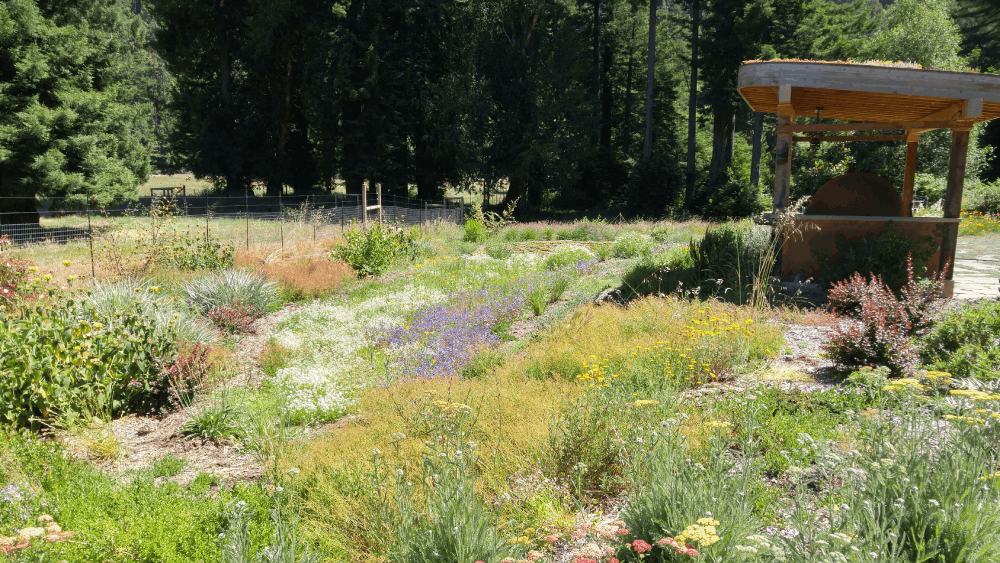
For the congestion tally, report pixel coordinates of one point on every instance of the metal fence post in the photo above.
(246, 212)
(90, 236)
(281, 217)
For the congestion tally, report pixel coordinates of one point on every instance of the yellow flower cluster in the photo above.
(718, 424)
(703, 533)
(938, 376)
(968, 419)
(646, 403)
(906, 384)
(597, 372)
(716, 326)
(975, 395)
(977, 223)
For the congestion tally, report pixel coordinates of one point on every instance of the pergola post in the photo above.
(783, 150)
(953, 203)
(910, 172)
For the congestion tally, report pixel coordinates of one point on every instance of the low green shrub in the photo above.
(51, 361)
(499, 250)
(558, 288)
(931, 187)
(882, 255)
(725, 264)
(116, 519)
(537, 298)
(966, 342)
(631, 244)
(194, 252)
(168, 466)
(223, 288)
(566, 255)
(662, 274)
(475, 231)
(215, 418)
(983, 197)
(908, 495)
(371, 252)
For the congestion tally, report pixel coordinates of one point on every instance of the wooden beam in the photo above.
(902, 125)
(846, 138)
(785, 101)
(950, 113)
(953, 200)
(909, 174)
(782, 165)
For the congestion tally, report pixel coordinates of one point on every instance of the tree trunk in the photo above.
(627, 143)
(723, 138)
(689, 191)
(758, 132)
(606, 105)
(15, 208)
(517, 189)
(647, 144)
(352, 183)
(596, 94)
(286, 118)
(225, 69)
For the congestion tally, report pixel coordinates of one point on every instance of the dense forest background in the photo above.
(567, 104)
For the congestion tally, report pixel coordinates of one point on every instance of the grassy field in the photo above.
(193, 185)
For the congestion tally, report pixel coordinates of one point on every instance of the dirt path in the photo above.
(147, 439)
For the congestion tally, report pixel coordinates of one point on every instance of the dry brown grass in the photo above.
(304, 271)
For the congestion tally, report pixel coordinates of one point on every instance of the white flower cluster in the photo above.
(325, 340)
(312, 393)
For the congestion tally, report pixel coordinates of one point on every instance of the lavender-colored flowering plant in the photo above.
(442, 339)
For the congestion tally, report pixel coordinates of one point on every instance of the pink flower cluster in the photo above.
(683, 549)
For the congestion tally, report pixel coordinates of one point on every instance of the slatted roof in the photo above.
(874, 94)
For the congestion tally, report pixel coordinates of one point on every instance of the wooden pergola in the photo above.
(877, 99)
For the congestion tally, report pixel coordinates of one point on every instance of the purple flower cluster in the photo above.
(441, 339)
(15, 500)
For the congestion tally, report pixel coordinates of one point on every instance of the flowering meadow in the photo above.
(493, 401)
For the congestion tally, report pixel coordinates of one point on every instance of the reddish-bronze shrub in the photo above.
(874, 327)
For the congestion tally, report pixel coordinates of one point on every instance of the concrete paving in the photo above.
(977, 277)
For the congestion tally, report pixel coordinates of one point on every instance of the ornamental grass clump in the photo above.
(223, 288)
(537, 298)
(441, 339)
(110, 298)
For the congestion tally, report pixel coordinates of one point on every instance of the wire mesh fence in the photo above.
(244, 220)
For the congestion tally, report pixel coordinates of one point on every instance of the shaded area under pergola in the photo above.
(877, 99)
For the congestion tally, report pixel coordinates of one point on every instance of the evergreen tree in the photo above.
(69, 122)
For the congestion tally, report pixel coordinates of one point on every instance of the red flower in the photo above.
(622, 532)
(640, 546)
